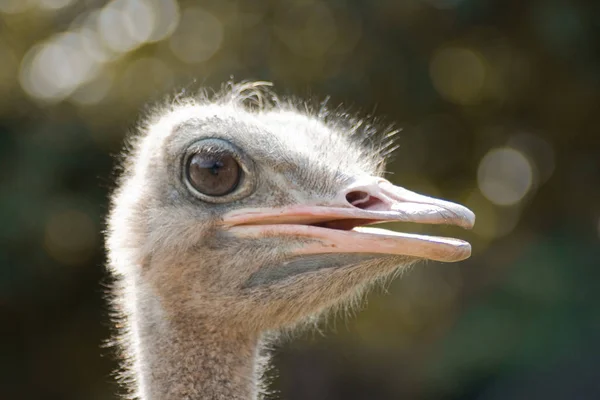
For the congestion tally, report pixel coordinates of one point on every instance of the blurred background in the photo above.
(498, 101)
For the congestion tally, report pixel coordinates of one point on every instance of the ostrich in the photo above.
(240, 214)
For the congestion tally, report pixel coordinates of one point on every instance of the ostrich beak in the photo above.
(336, 226)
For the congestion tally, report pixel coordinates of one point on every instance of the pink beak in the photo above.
(335, 226)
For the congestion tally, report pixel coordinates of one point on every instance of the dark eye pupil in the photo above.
(213, 174)
(215, 168)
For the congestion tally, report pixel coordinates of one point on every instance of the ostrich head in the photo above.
(250, 219)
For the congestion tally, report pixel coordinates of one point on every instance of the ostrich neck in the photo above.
(187, 358)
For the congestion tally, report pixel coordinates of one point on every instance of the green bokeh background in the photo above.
(462, 78)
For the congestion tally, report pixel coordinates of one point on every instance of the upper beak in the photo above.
(334, 226)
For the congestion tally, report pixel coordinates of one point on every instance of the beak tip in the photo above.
(470, 222)
(466, 217)
(462, 252)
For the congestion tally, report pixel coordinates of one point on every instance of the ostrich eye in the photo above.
(213, 173)
(217, 171)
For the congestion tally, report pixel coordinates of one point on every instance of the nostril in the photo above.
(357, 197)
(364, 200)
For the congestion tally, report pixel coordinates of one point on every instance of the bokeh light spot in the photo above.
(53, 70)
(505, 176)
(126, 24)
(458, 74)
(198, 36)
(70, 237)
(166, 18)
(94, 46)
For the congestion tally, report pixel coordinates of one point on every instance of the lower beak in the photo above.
(336, 227)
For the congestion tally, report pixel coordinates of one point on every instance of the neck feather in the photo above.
(185, 357)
